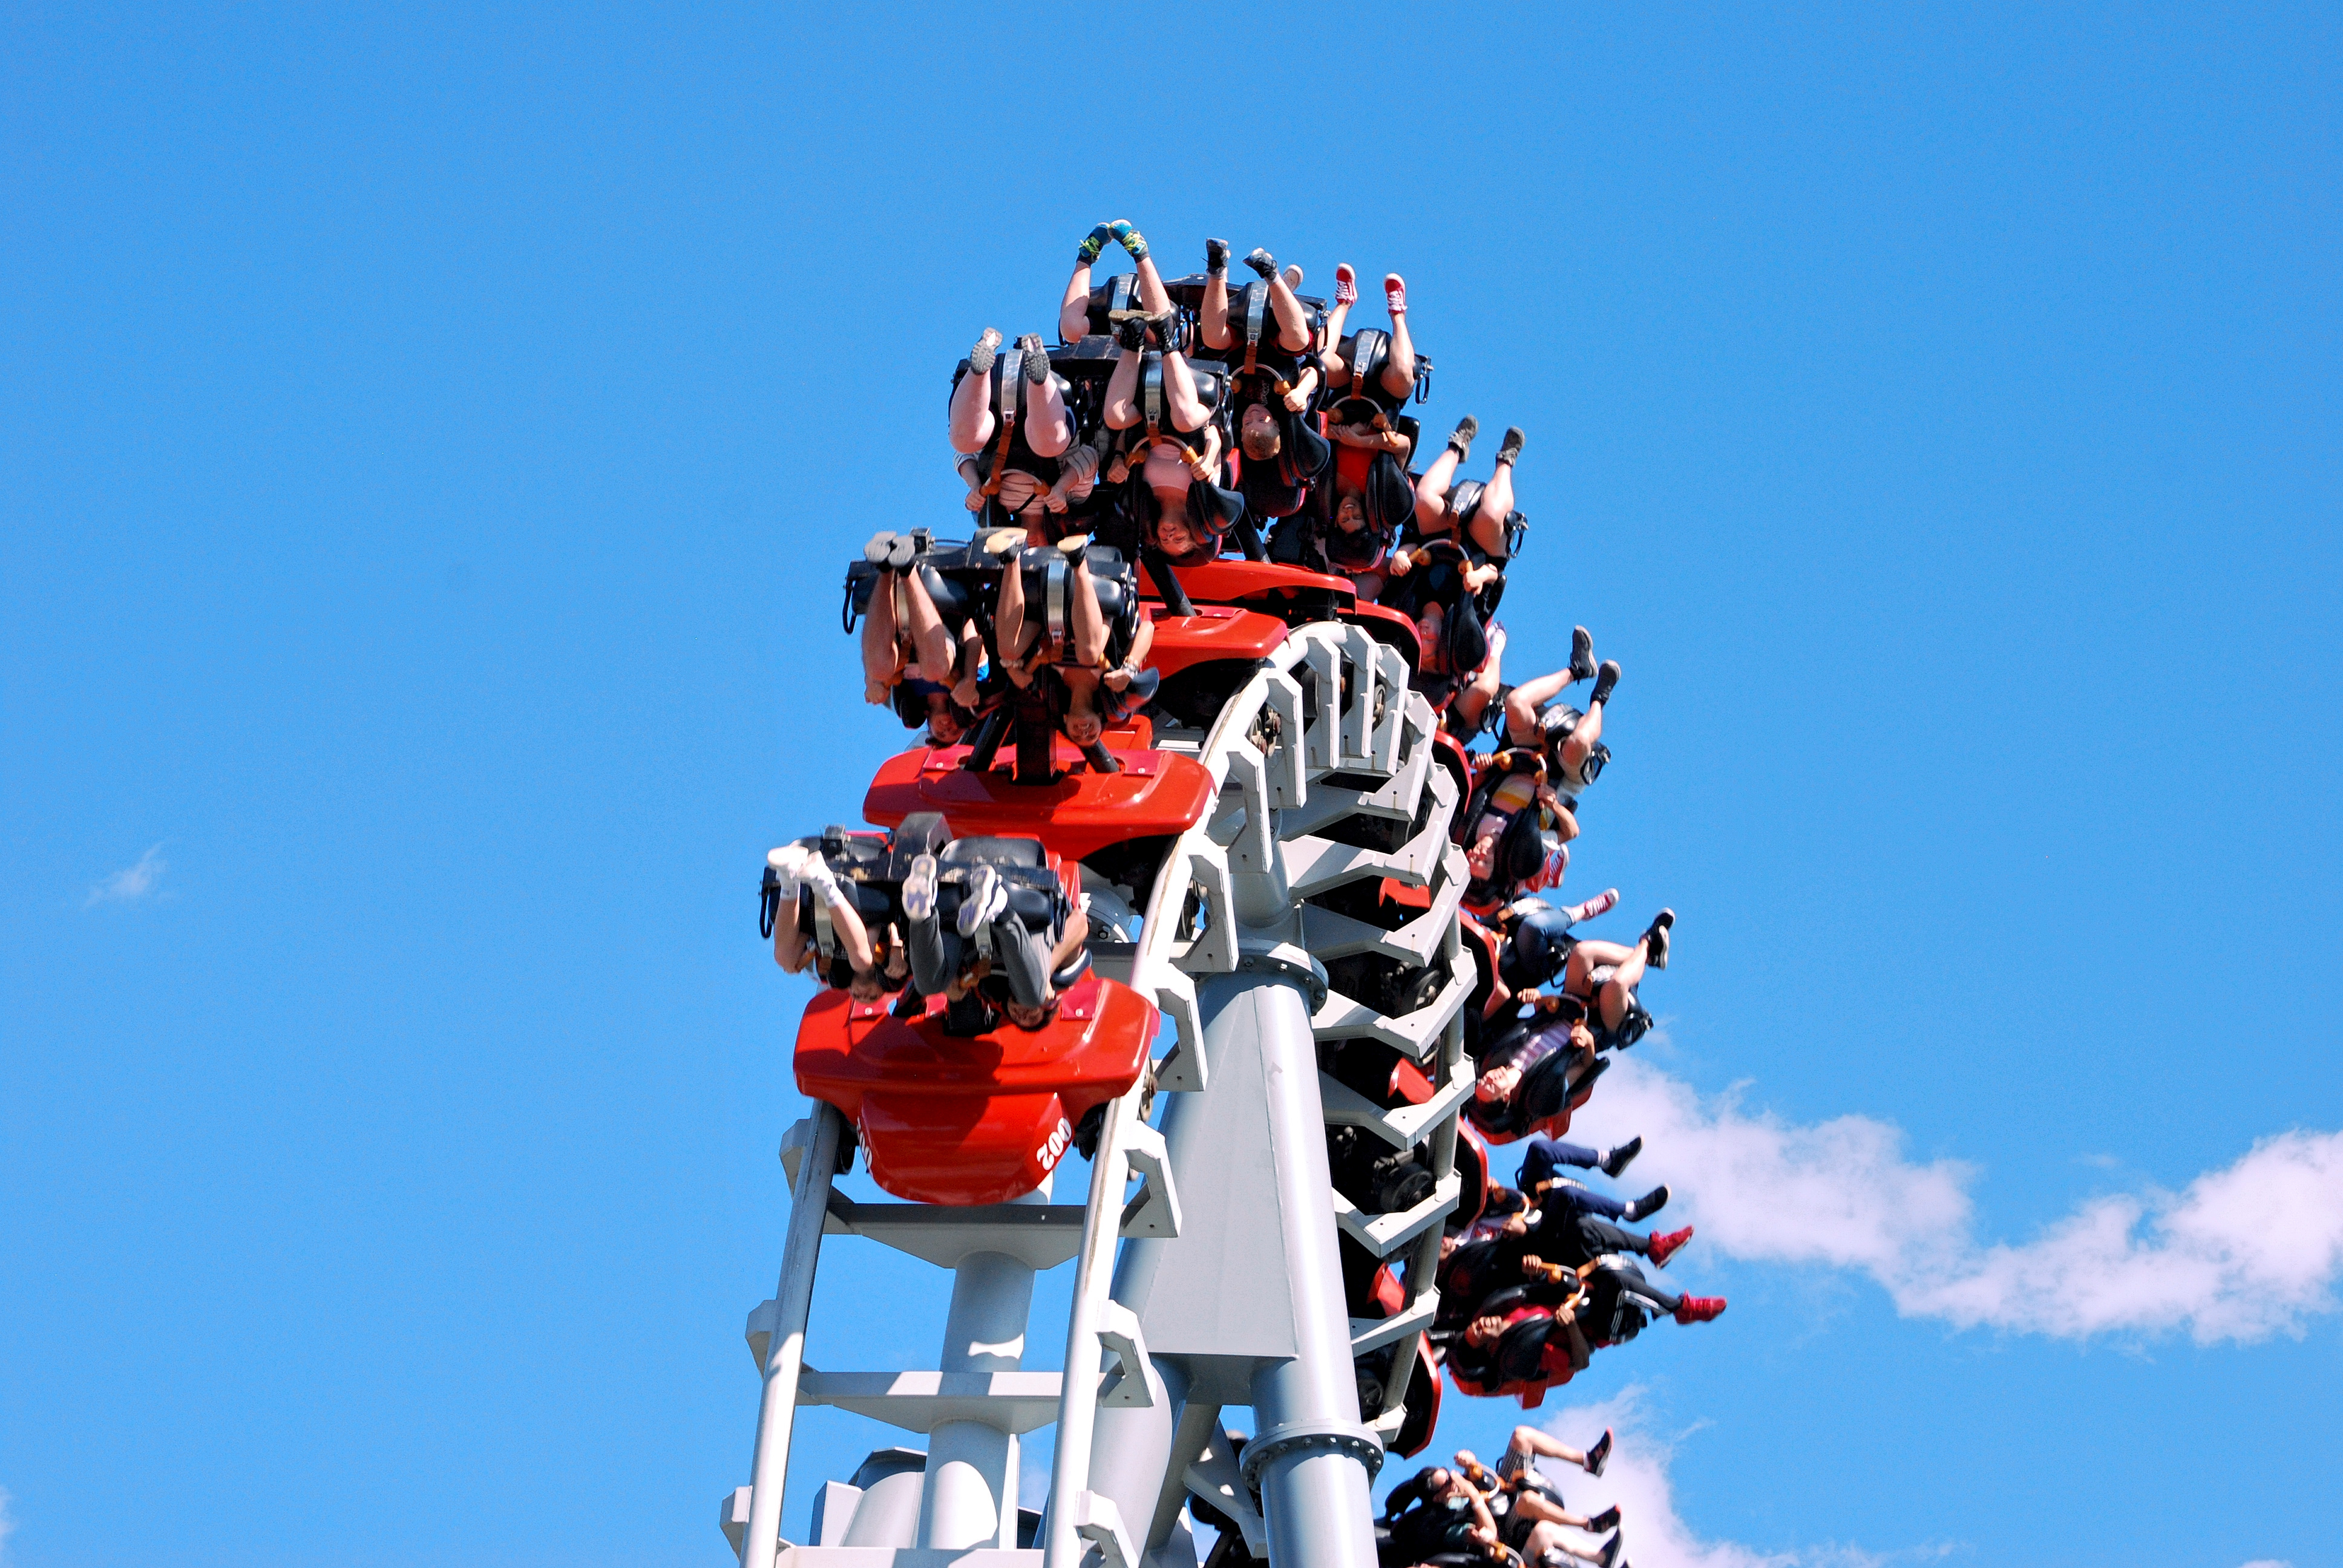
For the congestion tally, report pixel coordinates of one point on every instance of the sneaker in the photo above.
(1075, 548)
(1619, 1156)
(1129, 238)
(920, 888)
(1461, 438)
(784, 863)
(1395, 293)
(1609, 1555)
(1095, 242)
(1655, 939)
(1037, 359)
(1293, 276)
(887, 550)
(1606, 681)
(1700, 1309)
(1262, 262)
(1582, 654)
(1216, 258)
(1130, 333)
(985, 898)
(980, 358)
(1346, 284)
(1666, 1247)
(1004, 544)
(1649, 1204)
(1606, 1520)
(1510, 450)
(1599, 1455)
(1602, 904)
(1166, 328)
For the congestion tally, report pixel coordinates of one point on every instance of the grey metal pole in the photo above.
(785, 1356)
(1313, 1458)
(971, 1481)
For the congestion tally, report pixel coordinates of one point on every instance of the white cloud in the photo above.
(131, 883)
(2268, 1563)
(2242, 1254)
(1637, 1481)
(7, 1523)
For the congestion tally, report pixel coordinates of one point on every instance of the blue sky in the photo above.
(431, 438)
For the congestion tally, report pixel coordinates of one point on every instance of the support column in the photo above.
(1309, 1452)
(971, 1495)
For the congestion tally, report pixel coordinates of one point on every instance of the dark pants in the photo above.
(1545, 1154)
(938, 956)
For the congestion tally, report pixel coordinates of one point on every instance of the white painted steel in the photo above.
(769, 1464)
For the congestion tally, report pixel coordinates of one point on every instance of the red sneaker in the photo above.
(1700, 1309)
(1346, 285)
(1395, 293)
(1665, 1247)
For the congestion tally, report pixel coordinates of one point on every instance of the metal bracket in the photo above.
(1154, 1209)
(1123, 1385)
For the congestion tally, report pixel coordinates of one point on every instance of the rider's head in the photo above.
(1257, 430)
(943, 724)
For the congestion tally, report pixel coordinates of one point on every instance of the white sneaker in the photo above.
(920, 888)
(985, 898)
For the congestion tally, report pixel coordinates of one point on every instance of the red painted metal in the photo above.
(1213, 632)
(976, 1120)
(1157, 793)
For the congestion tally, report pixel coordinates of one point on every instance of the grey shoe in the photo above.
(1037, 359)
(1512, 448)
(1606, 680)
(1582, 654)
(980, 358)
(1467, 429)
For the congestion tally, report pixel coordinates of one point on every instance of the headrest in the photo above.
(995, 852)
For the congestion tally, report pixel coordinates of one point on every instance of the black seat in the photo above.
(995, 851)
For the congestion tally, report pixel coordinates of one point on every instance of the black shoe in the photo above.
(1582, 654)
(980, 358)
(1075, 548)
(1606, 1520)
(1216, 258)
(1600, 1454)
(1510, 448)
(1467, 429)
(1166, 328)
(1130, 333)
(1609, 1555)
(1606, 679)
(1262, 262)
(1655, 939)
(1649, 1204)
(1621, 1155)
(1037, 359)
